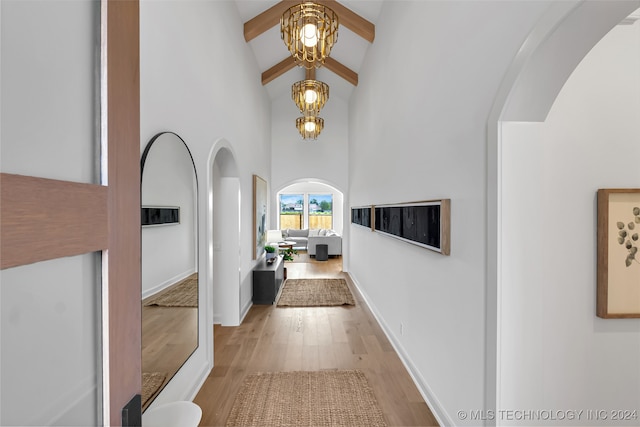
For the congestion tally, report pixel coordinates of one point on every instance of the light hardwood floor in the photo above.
(315, 338)
(169, 336)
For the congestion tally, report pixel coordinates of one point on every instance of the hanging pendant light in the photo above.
(309, 126)
(310, 96)
(309, 30)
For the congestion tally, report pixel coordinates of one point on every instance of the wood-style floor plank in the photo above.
(313, 338)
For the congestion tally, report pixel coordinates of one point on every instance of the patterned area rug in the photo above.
(151, 383)
(184, 294)
(315, 293)
(306, 398)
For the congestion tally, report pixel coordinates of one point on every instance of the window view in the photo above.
(321, 211)
(291, 211)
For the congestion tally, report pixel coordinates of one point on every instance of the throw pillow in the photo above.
(314, 232)
(285, 233)
(322, 232)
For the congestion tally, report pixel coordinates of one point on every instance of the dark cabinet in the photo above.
(267, 280)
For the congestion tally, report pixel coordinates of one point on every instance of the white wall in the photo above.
(555, 353)
(418, 131)
(169, 179)
(49, 330)
(293, 158)
(199, 78)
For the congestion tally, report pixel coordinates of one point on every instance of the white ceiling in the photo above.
(349, 50)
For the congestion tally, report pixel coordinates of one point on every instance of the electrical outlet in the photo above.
(401, 328)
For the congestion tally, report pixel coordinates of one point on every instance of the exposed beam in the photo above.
(277, 70)
(267, 19)
(341, 70)
(351, 20)
(330, 64)
(270, 18)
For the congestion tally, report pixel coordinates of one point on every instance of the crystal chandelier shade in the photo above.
(309, 30)
(310, 96)
(309, 126)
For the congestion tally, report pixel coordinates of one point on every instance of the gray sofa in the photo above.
(306, 239)
(300, 237)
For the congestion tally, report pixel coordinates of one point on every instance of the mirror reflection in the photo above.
(169, 261)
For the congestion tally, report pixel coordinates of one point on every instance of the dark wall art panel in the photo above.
(160, 215)
(361, 216)
(422, 223)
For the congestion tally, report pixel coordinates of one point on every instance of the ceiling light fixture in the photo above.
(309, 126)
(309, 30)
(310, 96)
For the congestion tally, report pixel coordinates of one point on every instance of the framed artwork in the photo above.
(362, 216)
(618, 293)
(426, 223)
(259, 215)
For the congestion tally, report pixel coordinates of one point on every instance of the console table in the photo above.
(267, 280)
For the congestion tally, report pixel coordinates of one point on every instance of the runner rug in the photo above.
(183, 294)
(151, 383)
(306, 398)
(315, 293)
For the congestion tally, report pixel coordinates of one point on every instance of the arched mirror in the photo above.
(169, 261)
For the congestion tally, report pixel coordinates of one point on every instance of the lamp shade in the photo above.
(274, 236)
(310, 96)
(309, 126)
(309, 30)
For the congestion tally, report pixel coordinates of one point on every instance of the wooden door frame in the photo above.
(43, 219)
(123, 256)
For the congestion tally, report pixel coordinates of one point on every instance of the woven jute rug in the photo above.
(306, 398)
(315, 293)
(184, 294)
(151, 383)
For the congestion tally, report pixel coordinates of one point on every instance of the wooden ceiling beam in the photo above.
(277, 70)
(266, 20)
(351, 20)
(341, 70)
(271, 17)
(330, 64)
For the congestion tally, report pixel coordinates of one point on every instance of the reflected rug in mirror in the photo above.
(315, 293)
(182, 294)
(306, 398)
(151, 383)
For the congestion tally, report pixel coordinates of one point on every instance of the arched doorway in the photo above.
(545, 63)
(224, 234)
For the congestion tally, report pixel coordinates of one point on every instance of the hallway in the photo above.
(317, 338)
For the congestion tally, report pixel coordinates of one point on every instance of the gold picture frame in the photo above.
(259, 215)
(618, 276)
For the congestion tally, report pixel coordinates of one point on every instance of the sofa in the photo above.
(307, 239)
(334, 244)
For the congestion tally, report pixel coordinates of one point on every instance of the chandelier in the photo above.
(309, 126)
(310, 96)
(309, 30)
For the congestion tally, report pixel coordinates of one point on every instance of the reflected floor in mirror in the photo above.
(275, 339)
(168, 336)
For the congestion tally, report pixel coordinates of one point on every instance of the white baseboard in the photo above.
(245, 310)
(429, 397)
(202, 376)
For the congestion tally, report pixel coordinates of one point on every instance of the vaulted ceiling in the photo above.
(356, 32)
